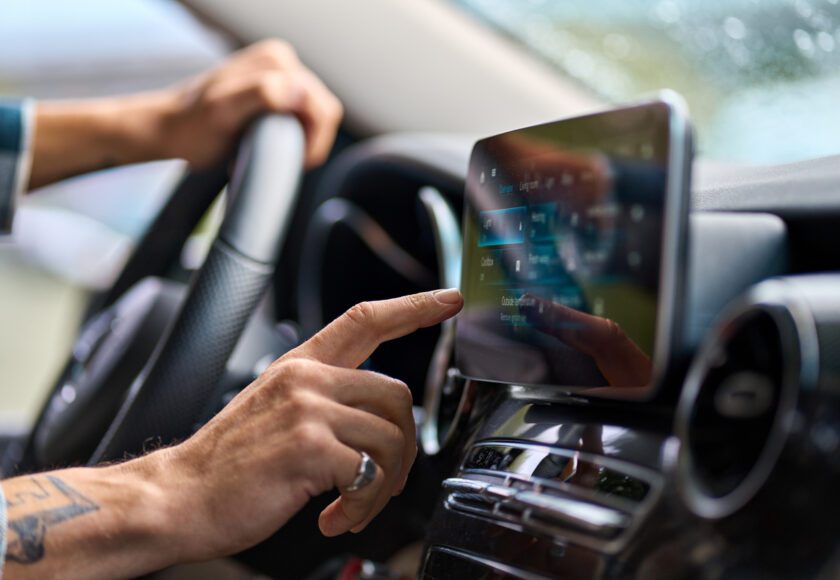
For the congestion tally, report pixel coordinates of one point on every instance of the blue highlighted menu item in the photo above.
(502, 226)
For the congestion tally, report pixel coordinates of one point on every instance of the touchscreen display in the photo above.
(563, 241)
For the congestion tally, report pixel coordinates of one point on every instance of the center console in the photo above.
(588, 285)
(574, 259)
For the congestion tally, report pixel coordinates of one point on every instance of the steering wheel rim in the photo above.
(178, 388)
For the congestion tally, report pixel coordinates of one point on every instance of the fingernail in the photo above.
(448, 296)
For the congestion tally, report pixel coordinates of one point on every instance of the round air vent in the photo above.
(740, 397)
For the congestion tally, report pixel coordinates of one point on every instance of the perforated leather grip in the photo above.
(178, 389)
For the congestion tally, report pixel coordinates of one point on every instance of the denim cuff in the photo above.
(3, 526)
(16, 128)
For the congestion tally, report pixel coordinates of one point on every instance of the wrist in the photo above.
(100, 522)
(152, 507)
(135, 126)
(73, 137)
(177, 517)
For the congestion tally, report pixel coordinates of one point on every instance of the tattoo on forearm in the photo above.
(45, 502)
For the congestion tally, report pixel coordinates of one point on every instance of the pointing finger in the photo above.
(351, 338)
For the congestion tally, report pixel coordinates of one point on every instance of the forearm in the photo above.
(89, 522)
(74, 137)
(199, 120)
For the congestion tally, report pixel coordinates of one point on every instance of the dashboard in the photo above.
(726, 469)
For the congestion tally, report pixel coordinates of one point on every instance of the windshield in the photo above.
(761, 78)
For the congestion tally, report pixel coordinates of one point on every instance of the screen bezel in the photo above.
(668, 342)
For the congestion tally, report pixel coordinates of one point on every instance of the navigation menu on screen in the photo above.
(563, 250)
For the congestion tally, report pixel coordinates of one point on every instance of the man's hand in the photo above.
(294, 433)
(199, 120)
(203, 117)
(298, 431)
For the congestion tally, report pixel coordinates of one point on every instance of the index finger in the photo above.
(320, 114)
(352, 337)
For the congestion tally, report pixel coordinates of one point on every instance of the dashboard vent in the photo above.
(740, 397)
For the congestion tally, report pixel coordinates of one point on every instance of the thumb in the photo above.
(352, 337)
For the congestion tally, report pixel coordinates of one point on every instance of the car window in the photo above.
(762, 78)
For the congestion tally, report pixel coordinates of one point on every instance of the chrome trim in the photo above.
(462, 411)
(447, 231)
(504, 509)
(784, 302)
(500, 492)
(596, 519)
(512, 515)
(488, 563)
(649, 476)
(539, 485)
(670, 319)
(448, 244)
(545, 394)
(464, 485)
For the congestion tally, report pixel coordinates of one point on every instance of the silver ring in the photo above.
(365, 475)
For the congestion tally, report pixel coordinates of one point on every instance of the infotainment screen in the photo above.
(574, 237)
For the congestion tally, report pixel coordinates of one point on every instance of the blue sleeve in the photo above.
(15, 131)
(3, 523)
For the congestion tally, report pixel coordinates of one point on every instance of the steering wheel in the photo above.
(148, 368)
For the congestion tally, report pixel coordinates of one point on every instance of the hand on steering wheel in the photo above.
(199, 120)
(179, 388)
